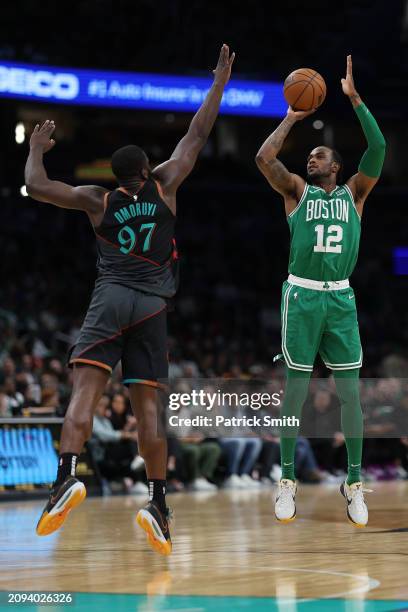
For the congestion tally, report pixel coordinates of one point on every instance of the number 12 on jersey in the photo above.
(333, 236)
(128, 238)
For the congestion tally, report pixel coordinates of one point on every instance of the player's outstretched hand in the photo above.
(299, 115)
(348, 83)
(222, 72)
(41, 136)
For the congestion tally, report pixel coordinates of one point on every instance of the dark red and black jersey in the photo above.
(136, 245)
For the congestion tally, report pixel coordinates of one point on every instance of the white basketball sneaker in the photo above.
(285, 507)
(357, 511)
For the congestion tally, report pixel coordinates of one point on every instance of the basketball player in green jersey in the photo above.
(318, 305)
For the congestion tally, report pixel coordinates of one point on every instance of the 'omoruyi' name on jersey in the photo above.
(138, 209)
(335, 208)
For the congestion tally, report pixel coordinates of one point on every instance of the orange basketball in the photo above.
(304, 89)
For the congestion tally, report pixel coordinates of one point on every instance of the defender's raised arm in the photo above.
(173, 172)
(88, 198)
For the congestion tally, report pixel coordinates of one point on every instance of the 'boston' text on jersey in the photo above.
(335, 208)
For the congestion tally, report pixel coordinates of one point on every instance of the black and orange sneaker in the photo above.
(62, 500)
(156, 524)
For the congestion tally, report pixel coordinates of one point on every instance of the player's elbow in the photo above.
(31, 188)
(260, 160)
(380, 144)
(34, 190)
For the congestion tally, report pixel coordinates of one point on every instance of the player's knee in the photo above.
(350, 397)
(80, 421)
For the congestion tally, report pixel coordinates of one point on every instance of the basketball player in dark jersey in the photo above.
(126, 319)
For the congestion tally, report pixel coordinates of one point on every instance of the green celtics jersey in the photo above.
(324, 234)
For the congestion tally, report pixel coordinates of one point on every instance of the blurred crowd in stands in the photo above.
(38, 383)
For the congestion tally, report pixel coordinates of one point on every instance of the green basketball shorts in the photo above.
(320, 320)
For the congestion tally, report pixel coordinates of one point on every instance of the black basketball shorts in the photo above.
(127, 325)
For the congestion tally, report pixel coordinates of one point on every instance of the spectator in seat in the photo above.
(115, 451)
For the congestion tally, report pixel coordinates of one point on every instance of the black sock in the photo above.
(67, 463)
(157, 493)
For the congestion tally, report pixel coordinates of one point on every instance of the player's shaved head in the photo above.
(129, 162)
(322, 148)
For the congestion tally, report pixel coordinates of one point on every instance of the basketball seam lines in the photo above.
(303, 91)
(321, 89)
(309, 72)
(308, 80)
(296, 83)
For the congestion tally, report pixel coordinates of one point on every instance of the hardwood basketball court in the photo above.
(229, 553)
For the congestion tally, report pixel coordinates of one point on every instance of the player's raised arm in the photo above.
(40, 187)
(173, 172)
(284, 182)
(371, 163)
